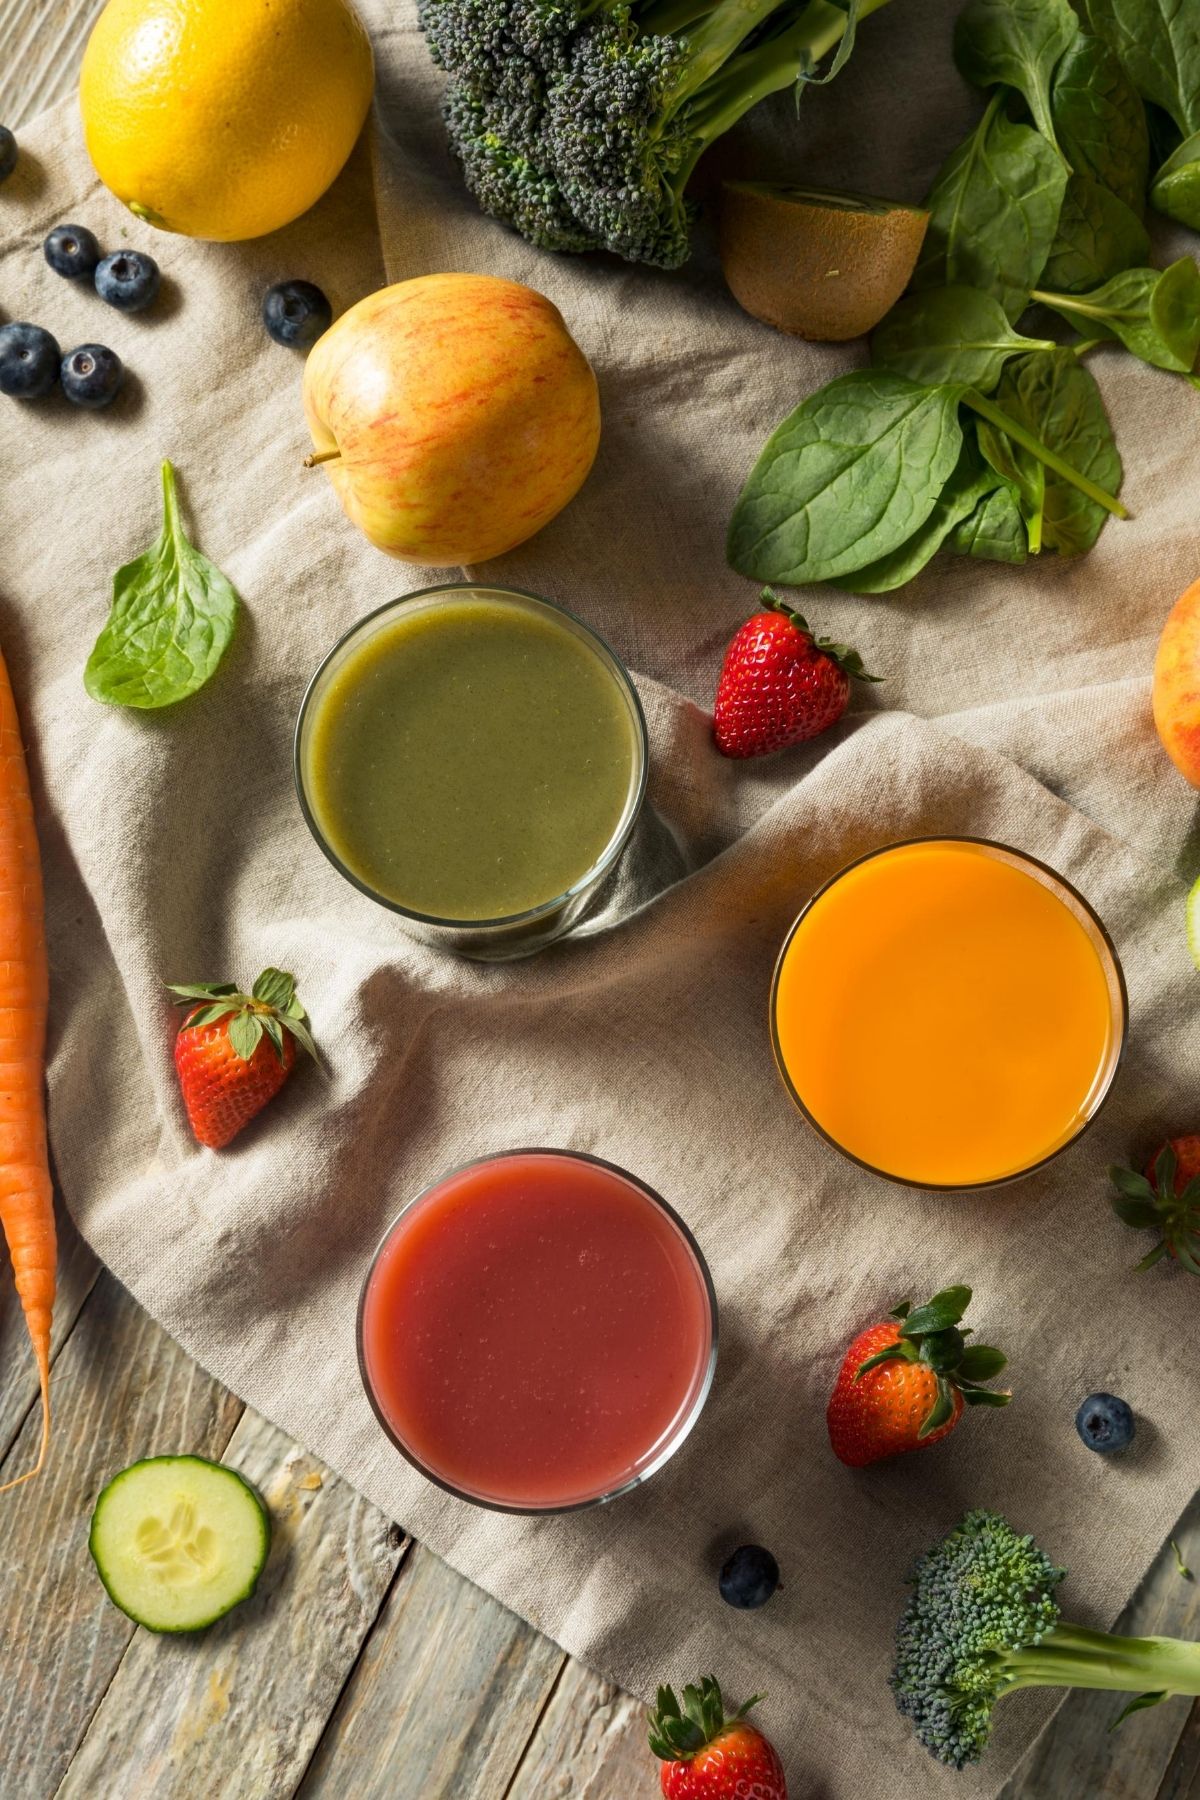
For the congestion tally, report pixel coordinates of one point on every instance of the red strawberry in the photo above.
(904, 1382)
(708, 1757)
(780, 684)
(234, 1051)
(1165, 1199)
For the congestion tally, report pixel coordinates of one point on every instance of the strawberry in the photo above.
(234, 1051)
(779, 684)
(904, 1382)
(706, 1756)
(1165, 1199)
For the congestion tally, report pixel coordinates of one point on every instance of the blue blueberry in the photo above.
(296, 313)
(128, 280)
(749, 1578)
(71, 250)
(8, 153)
(1104, 1423)
(91, 375)
(29, 359)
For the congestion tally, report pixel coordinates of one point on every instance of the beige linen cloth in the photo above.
(1016, 706)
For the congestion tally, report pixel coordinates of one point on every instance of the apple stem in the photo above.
(321, 456)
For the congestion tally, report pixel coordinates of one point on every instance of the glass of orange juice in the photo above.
(948, 1012)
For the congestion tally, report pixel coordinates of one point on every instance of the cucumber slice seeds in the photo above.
(178, 1541)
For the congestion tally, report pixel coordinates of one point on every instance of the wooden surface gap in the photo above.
(537, 1726)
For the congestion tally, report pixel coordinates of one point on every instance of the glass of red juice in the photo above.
(537, 1331)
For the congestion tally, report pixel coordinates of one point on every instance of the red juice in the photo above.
(537, 1331)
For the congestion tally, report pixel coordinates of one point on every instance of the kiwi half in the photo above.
(819, 265)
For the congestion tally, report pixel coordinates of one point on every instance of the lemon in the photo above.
(223, 121)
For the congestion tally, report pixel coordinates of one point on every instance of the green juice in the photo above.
(471, 758)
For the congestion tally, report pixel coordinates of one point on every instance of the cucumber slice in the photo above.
(178, 1541)
(1193, 923)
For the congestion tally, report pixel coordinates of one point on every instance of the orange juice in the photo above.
(948, 1012)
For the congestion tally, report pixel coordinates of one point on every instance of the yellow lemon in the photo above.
(223, 121)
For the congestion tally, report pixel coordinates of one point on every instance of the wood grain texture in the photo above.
(122, 1390)
(590, 1744)
(1079, 1755)
(41, 43)
(444, 1698)
(238, 1710)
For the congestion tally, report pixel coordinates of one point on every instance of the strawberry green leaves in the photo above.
(930, 1334)
(173, 615)
(272, 1010)
(1159, 1203)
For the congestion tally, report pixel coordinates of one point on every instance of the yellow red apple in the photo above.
(1176, 691)
(460, 412)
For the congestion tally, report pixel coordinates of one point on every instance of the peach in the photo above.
(454, 414)
(1176, 692)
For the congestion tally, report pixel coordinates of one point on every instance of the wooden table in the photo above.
(364, 1667)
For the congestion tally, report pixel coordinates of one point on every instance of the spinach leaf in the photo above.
(1100, 120)
(1155, 314)
(1097, 237)
(172, 618)
(995, 531)
(949, 334)
(1055, 400)
(994, 211)
(847, 478)
(970, 481)
(1176, 189)
(1017, 44)
(1158, 42)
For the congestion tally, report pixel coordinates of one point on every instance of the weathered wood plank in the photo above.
(238, 1710)
(41, 43)
(123, 1390)
(444, 1698)
(77, 1271)
(1079, 1755)
(590, 1744)
(1182, 1779)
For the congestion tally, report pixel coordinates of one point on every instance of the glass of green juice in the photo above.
(473, 758)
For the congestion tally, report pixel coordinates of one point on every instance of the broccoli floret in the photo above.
(983, 1621)
(579, 122)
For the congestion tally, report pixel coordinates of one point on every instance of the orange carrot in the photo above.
(26, 1194)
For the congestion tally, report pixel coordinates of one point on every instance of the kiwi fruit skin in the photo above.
(818, 265)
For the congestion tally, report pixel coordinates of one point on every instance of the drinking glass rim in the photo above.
(1056, 880)
(633, 804)
(676, 1439)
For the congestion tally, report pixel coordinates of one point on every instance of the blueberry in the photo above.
(296, 313)
(8, 153)
(1104, 1423)
(128, 280)
(91, 375)
(749, 1578)
(71, 250)
(29, 359)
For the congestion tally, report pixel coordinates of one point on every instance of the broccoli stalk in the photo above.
(983, 1621)
(580, 122)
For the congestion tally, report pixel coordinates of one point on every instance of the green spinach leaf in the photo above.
(1100, 120)
(994, 212)
(1158, 42)
(970, 481)
(995, 531)
(1097, 237)
(846, 479)
(1056, 401)
(172, 617)
(949, 334)
(1017, 44)
(1154, 313)
(1176, 189)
